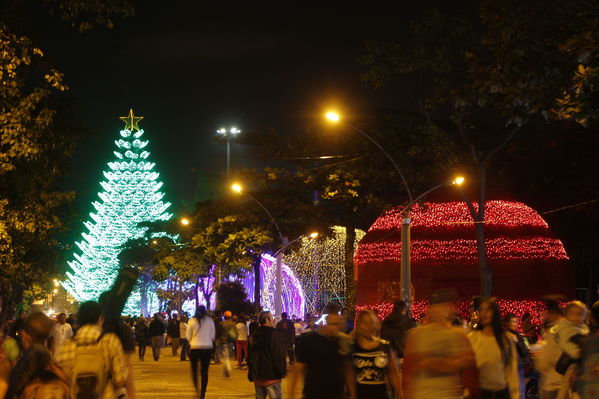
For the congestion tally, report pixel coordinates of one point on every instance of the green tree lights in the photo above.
(131, 195)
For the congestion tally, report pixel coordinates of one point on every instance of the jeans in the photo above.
(273, 391)
(156, 345)
(203, 356)
(184, 348)
(241, 350)
(503, 394)
(175, 345)
(143, 344)
(289, 351)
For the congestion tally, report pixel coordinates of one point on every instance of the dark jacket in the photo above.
(157, 328)
(141, 332)
(266, 357)
(395, 329)
(173, 328)
(287, 331)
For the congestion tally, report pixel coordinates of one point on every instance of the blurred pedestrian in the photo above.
(241, 343)
(266, 361)
(565, 329)
(587, 381)
(348, 321)
(547, 352)
(287, 331)
(321, 362)
(373, 372)
(438, 360)
(61, 331)
(228, 336)
(201, 336)
(396, 326)
(156, 332)
(35, 368)
(183, 340)
(511, 325)
(142, 336)
(495, 353)
(174, 332)
(94, 360)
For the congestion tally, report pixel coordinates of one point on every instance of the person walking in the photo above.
(373, 368)
(321, 363)
(61, 331)
(201, 335)
(287, 330)
(142, 337)
(174, 333)
(587, 381)
(511, 325)
(183, 340)
(495, 354)
(565, 329)
(241, 343)
(228, 335)
(266, 359)
(156, 332)
(547, 352)
(396, 326)
(438, 360)
(94, 360)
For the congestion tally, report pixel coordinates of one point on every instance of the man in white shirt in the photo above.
(60, 333)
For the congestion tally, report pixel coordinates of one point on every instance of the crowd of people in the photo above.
(494, 355)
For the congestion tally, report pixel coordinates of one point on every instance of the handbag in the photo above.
(563, 363)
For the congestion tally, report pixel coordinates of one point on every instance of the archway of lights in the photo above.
(131, 195)
(319, 265)
(528, 261)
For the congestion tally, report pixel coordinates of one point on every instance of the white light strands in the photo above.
(131, 195)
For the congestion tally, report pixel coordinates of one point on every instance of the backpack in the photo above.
(89, 372)
(51, 385)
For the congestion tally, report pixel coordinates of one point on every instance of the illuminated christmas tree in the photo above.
(131, 195)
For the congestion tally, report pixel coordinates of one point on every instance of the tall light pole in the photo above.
(284, 242)
(406, 267)
(228, 134)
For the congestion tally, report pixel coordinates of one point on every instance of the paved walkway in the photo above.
(171, 378)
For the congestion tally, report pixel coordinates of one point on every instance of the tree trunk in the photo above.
(197, 293)
(257, 285)
(486, 273)
(180, 301)
(350, 285)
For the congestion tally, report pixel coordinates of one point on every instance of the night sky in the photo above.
(192, 69)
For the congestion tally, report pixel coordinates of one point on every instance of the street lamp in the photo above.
(334, 117)
(184, 221)
(227, 134)
(284, 243)
(406, 267)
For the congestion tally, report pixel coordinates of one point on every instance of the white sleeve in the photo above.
(212, 331)
(190, 327)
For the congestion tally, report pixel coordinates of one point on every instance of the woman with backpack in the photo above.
(200, 335)
(495, 353)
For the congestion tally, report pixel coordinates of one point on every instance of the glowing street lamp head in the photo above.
(184, 221)
(234, 130)
(314, 235)
(237, 188)
(222, 130)
(333, 116)
(458, 181)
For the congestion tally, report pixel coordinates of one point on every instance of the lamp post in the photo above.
(406, 266)
(227, 134)
(279, 254)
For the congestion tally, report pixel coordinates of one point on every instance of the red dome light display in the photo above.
(526, 258)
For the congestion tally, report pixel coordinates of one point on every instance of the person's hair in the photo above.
(367, 312)
(156, 315)
(399, 306)
(103, 297)
(200, 312)
(477, 300)
(575, 304)
(283, 315)
(89, 312)
(62, 314)
(38, 326)
(498, 331)
(508, 317)
(263, 317)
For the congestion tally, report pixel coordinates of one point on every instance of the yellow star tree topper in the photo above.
(131, 121)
